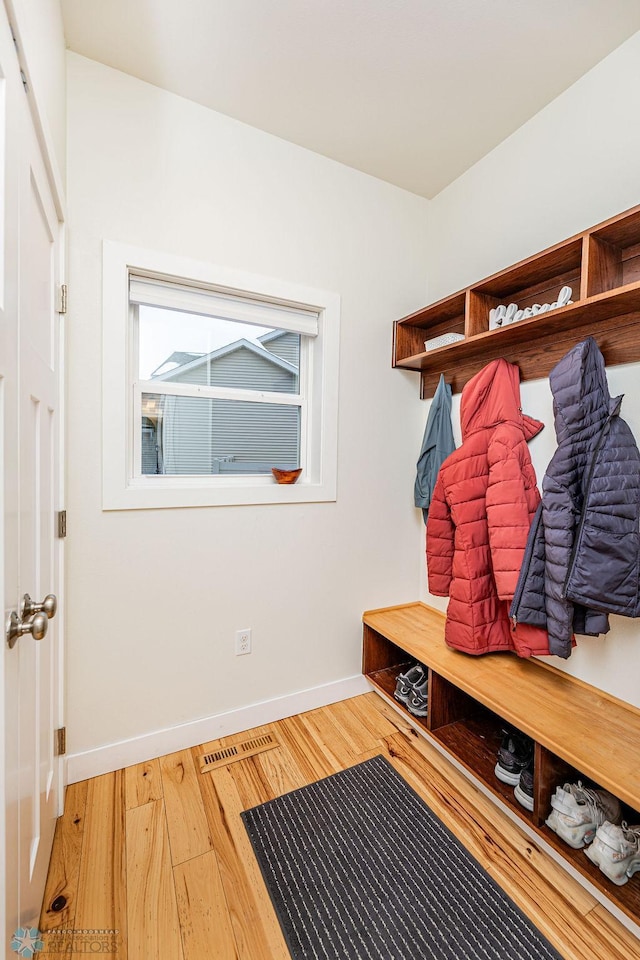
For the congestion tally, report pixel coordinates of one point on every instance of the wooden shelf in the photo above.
(578, 730)
(602, 266)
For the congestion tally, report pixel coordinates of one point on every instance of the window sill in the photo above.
(176, 492)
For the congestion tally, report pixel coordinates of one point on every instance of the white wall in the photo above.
(154, 597)
(572, 165)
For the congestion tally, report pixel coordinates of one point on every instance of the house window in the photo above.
(215, 394)
(219, 378)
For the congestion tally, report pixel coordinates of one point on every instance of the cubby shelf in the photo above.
(579, 731)
(602, 267)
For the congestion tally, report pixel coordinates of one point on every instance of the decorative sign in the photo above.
(502, 316)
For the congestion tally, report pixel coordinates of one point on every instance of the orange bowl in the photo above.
(286, 476)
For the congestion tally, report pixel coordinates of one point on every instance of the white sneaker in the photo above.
(578, 811)
(616, 851)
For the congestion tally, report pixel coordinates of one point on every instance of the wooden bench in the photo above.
(580, 732)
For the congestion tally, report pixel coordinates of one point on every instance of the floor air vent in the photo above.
(239, 751)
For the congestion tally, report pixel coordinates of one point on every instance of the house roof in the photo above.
(225, 351)
(272, 335)
(179, 357)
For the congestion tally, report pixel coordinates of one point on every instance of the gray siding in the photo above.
(186, 436)
(286, 346)
(242, 369)
(197, 431)
(195, 435)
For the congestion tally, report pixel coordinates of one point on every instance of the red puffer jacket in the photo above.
(483, 504)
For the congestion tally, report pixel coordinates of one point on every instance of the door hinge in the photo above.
(62, 524)
(62, 302)
(60, 741)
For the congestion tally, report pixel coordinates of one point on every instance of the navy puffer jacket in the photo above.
(583, 550)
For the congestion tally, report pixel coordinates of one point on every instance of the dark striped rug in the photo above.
(358, 866)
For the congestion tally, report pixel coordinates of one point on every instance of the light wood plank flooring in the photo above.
(158, 851)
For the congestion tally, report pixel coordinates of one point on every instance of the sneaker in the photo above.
(523, 789)
(406, 682)
(417, 702)
(616, 851)
(515, 753)
(577, 812)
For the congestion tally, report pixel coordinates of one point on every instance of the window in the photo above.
(210, 379)
(213, 392)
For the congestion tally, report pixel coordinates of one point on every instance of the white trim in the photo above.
(114, 756)
(319, 443)
(215, 393)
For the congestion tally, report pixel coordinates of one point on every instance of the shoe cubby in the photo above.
(382, 662)
(472, 734)
(556, 774)
(602, 268)
(472, 699)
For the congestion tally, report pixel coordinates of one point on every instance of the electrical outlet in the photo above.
(243, 642)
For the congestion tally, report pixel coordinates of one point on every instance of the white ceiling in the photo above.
(411, 91)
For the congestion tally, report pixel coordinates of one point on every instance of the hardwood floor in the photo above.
(158, 853)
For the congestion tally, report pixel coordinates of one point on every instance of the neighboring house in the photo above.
(197, 435)
(177, 358)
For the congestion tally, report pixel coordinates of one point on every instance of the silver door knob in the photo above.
(49, 606)
(37, 626)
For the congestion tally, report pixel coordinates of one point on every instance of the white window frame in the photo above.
(121, 389)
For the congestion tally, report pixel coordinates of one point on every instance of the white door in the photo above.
(30, 391)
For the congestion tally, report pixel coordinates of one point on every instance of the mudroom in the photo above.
(319, 426)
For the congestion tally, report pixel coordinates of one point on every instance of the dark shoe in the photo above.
(524, 787)
(406, 682)
(516, 750)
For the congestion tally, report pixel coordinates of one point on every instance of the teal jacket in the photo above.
(437, 444)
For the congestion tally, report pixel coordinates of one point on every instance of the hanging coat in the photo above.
(437, 444)
(583, 556)
(483, 503)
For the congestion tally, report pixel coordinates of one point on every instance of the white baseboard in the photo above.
(113, 756)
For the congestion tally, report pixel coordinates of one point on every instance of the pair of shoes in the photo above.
(616, 851)
(514, 755)
(578, 811)
(411, 689)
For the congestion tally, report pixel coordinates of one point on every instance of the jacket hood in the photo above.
(493, 397)
(580, 390)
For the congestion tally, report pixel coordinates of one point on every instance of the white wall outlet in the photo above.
(243, 642)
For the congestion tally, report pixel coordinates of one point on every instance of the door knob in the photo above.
(49, 606)
(37, 626)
